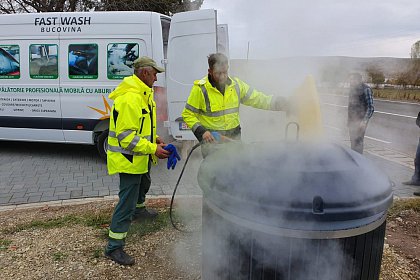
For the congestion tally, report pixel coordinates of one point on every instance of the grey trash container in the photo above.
(292, 211)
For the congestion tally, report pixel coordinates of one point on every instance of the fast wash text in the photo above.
(61, 24)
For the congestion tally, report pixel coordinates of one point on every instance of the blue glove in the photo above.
(216, 135)
(173, 157)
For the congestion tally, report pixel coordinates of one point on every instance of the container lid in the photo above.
(295, 185)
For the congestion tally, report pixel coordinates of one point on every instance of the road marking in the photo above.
(332, 127)
(379, 112)
(398, 115)
(393, 101)
(340, 95)
(379, 140)
(330, 104)
(372, 138)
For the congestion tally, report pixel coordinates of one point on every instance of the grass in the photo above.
(4, 244)
(59, 256)
(149, 226)
(97, 252)
(398, 94)
(88, 219)
(97, 220)
(403, 205)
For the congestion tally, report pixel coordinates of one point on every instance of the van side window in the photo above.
(43, 61)
(166, 23)
(83, 61)
(9, 62)
(120, 58)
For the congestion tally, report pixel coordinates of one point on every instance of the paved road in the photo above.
(41, 172)
(393, 124)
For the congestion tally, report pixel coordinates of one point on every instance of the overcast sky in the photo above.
(279, 28)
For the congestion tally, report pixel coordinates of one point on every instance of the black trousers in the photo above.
(357, 135)
(416, 176)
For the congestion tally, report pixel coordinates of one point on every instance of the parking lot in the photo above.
(43, 172)
(39, 172)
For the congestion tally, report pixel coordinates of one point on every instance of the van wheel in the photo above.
(102, 144)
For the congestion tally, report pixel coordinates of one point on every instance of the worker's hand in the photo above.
(161, 152)
(159, 141)
(208, 137)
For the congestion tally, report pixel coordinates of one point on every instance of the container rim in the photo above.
(298, 233)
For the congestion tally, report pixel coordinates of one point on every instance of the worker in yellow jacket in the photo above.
(132, 146)
(213, 104)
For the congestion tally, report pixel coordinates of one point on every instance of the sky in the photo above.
(357, 28)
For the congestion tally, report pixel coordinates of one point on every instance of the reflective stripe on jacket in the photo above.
(209, 108)
(132, 128)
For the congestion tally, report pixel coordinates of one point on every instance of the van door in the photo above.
(192, 37)
(223, 39)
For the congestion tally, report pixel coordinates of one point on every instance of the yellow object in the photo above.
(132, 128)
(307, 111)
(207, 107)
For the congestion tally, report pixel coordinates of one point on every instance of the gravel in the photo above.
(75, 251)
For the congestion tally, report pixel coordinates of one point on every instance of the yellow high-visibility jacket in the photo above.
(211, 110)
(132, 128)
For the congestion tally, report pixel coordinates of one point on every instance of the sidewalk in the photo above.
(48, 174)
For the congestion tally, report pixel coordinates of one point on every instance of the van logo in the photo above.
(105, 114)
(61, 24)
(62, 21)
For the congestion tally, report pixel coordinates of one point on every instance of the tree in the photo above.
(375, 74)
(402, 79)
(167, 7)
(414, 71)
(409, 75)
(42, 6)
(415, 50)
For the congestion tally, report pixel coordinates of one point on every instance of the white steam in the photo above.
(313, 28)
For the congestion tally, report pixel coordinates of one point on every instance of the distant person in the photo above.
(415, 179)
(132, 146)
(212, 109)
(360, 110)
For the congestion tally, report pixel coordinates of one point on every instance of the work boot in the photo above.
(120, 257)
(145, 213)
(412, 183)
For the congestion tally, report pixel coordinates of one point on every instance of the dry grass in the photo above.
(398, 94)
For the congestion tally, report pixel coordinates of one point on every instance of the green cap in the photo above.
(145, 61)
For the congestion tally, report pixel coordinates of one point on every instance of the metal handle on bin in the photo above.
(287, 130)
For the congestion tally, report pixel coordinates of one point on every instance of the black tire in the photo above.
(102, 143)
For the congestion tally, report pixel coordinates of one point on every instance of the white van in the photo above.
(57, 69)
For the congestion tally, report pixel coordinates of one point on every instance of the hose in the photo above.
(222, 139)
(176, 187)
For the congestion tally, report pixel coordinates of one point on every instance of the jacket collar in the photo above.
(213, 84)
